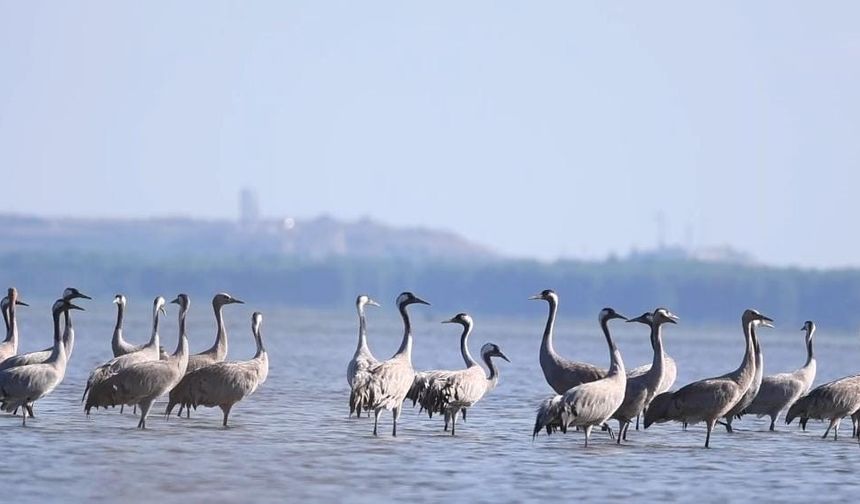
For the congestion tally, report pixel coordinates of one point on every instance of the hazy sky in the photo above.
(539, 128)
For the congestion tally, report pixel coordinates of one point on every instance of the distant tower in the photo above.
(249, 207)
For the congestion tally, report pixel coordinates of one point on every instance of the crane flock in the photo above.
(585, 395)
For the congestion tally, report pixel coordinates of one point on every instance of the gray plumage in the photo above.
(386, 384)
(754, 387)
(832, 401)
(141, 383)
(709, 399)
(363, 358)
(449, 392)
(149, 352)
(641, 389)
(587, 404)
(561, 374)
(216, 353)
(779, 391)
(223, 384)
(24, 385)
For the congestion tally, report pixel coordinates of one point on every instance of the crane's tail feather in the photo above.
(549, 416)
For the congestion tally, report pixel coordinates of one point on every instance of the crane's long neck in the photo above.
(616, 364)
(5, 309)
(154, 338)
(258, 338)
(759, 356)
(546, 344)
(406, 344)
(183, 336)
(744, 373)
(657, 364)
(57, 352)
(117, 330)
(12, 334)
(362, 329)
(810, 355)
(464, 346)
(494, 371)
(181, 354)
(220, 346)
(68, 333)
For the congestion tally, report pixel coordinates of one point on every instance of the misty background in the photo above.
(698, 156)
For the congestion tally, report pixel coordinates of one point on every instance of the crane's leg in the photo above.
(587, 434)
(620, 431)
(772, 423)
(464, 414)
(376, 413)
(684, 426)
(121, 408)
(834, 422)
(30, 410)
(710, 424)
(226, 409)
(637, 422)
(144, 411)
(24, 417)
(803, 424)
(396, 414)
(453, 422)
(447, 419)
(607, 428)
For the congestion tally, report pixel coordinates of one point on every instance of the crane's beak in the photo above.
(177, 301)
(21, 303)
(640, 318)
(75, 307)
(620, 316)
(116, 300)
(421, 301)
(536, 296)
(83, 296)
(503, 356)
(234, 300)
(163, 310)
(372, 303)
(449, 321)
(673, 319)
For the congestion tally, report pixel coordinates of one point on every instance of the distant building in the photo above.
(249, 207)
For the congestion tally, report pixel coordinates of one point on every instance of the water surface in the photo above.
(293, 440)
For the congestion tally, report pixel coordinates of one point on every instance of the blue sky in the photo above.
(540, 129)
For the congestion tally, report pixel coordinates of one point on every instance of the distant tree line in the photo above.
(699, 292)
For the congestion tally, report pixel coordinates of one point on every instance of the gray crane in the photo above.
(223, 384)
(363, 358)
(779, 391)
(587, 404)
(386, 383)
(141, 383)
(449, 392)
(118, 344)
(561, 374)
(148, 352)
(754, 387)
(9, 346)
(832, 401)
(22, 386)
(25, 359)
(710, 399)
(642, 388)
(217, 353)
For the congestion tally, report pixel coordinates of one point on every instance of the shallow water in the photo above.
(293, 440)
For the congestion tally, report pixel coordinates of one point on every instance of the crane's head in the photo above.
(62, 305)
(608, 314)
(493, 350)
(407, 298)
(222, 298)
(461, 318)
(546, 295)
(183, 301)
(364, 300)
(664, 316)
(751, 316)
(158, 306)
(120, 299)
(809, 327)
(72, 293)
(646, 318)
